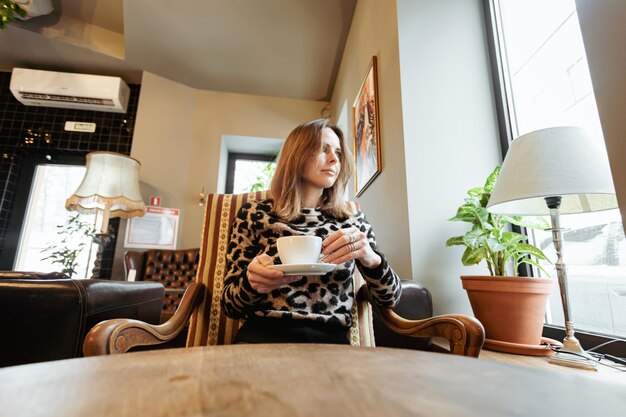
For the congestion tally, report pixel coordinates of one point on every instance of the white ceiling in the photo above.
(283, 48)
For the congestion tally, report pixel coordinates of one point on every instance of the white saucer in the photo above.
(305, 269)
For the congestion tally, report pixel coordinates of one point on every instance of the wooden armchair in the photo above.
(210, 326)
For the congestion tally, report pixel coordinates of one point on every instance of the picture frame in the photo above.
(365, 111)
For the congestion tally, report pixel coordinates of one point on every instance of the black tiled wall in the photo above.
(25, 130)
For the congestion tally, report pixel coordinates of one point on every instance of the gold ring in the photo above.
(352, 238)
(351, 247)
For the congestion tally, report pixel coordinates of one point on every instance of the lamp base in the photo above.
(102, 239)
(574, 356)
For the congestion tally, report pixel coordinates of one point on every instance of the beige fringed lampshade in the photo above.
(111, 186)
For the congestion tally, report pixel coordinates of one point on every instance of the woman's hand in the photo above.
(263, 279)
(348, 244)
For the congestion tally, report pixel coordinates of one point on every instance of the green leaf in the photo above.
(532, 222)
(455, 241)
(465, 213)
(483, 215)
(474, 237)
(495, 246)
(472, 256)
(536, 265)
(512, 237)
(491, 180)
(527, 249)
(476, 192)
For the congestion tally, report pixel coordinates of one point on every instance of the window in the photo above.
(543, 80)
(249, 172)
(45, 216)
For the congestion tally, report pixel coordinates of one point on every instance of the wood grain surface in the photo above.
(297, 380)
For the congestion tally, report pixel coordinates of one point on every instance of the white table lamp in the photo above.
(555, 171)
(110, 187)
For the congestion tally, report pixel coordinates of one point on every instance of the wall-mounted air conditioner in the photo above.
(70, 91)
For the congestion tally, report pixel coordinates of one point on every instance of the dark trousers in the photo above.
(285, 330)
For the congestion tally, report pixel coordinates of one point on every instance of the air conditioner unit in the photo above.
(69, 91)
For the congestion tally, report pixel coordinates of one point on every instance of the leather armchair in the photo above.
(175, 269)
(416, 303)
(45, 317)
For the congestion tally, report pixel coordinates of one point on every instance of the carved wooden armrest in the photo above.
(119, 335)
(464, 334)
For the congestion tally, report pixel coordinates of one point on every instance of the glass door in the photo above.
(52, 238)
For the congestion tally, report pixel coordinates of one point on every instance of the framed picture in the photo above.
(367, 160)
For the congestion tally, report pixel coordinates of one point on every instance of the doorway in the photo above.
(52, 238)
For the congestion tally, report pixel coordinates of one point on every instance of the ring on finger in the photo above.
(352, 238)
(351, 247)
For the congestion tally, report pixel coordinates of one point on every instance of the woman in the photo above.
(306, 199)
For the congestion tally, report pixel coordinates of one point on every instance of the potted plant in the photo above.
(8, 10)
(511, 308)
(75, 236)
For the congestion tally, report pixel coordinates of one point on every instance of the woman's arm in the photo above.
(238, 297)
(382, 281)
(358, 243)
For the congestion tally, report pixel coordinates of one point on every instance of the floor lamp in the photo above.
(551, 172)
(110, 188)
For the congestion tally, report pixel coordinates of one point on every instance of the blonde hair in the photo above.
(302, 144)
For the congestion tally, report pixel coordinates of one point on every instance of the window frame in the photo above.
(233, 157)
(503, 105)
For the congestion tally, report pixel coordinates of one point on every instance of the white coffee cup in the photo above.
(299, 249)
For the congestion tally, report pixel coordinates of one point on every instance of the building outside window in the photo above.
(546, 83)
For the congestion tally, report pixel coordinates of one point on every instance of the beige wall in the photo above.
(162, 143)
(604, 34)
(450, 134)
(162, 140)
(217, 114)
(177, 139)
(374, 32)
(438, 129)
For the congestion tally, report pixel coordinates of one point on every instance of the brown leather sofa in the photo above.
(45, 317)
(175, 269)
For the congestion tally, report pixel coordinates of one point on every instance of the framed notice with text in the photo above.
(157, 229)
(367, 158)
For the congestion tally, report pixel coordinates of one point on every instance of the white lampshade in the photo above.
(555, 162)
(110, 185)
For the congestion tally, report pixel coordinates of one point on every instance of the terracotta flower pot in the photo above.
(512, 309)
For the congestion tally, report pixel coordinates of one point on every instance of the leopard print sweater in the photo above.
(327, 298)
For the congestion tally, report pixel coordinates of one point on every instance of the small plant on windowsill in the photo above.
(8, 10)
(511, 308)
(76, 236)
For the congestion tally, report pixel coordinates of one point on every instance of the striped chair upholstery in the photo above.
(209, 325)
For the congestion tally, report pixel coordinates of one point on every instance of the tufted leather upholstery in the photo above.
(43, 318)
(175, 269)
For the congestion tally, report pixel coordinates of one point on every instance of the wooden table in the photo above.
(298, 380)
